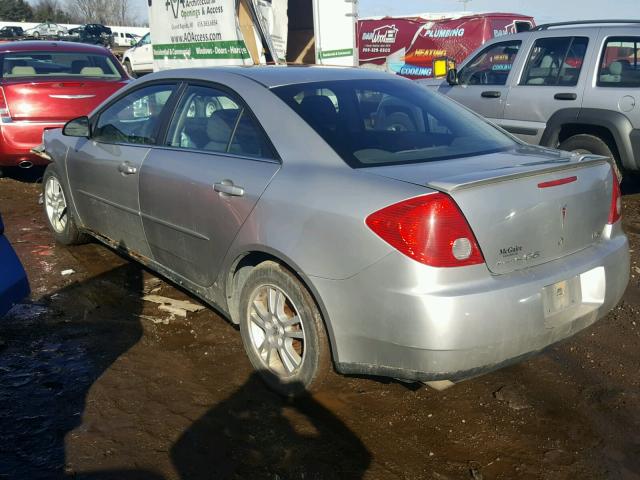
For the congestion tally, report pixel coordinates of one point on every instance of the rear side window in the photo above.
(391, 122)
(211, 120)
(619, 66)
(492, 65)
(555, 61)
(57, 64)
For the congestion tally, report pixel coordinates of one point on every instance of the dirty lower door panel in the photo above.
(189, 223)
(105, 195)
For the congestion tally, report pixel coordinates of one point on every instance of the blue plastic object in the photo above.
(14, 285)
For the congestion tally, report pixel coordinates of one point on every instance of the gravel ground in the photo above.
(96, 383)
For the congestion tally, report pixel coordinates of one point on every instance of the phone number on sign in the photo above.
(376, 49)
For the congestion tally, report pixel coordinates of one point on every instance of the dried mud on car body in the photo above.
(96, 383)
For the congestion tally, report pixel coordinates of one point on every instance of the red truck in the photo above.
(407, 46)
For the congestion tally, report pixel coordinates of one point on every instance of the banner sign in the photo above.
(408, 46)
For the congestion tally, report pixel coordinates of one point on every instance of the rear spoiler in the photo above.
(487, 177)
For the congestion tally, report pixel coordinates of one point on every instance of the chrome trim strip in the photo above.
(175, 227)
(35, 122)
(71, 97)
(109, 202)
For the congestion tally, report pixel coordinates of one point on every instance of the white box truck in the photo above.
(188, 33)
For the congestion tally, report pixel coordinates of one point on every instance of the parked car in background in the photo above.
(462, 249)
(98, 35)
(125, 39)
(46, 29)
(573, 86)
(14, 285)
(11, 33)
(93, 34)
(43, 85)
(138, 60)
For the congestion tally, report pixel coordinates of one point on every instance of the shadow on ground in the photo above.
(26, 175)
(252, 435)
(52, 354)
(50, 358)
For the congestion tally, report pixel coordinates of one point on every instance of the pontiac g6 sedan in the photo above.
(344, 219)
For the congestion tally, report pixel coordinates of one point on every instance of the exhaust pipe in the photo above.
(25, 164)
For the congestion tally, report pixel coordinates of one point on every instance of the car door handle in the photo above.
(491, 94)
(565, 96)
(226, 187)
(127, 169)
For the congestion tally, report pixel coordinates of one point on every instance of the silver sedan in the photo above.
(345, 219)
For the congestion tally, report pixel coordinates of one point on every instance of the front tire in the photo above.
(584, 143)
(127, 67)
(56, 208)
(282, 331)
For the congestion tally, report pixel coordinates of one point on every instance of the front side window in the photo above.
(146, 40)
(491, 66)
(211, 120)
(134, 118)
(391, 122)
(57, 64)
(555, 61)
(620, 64)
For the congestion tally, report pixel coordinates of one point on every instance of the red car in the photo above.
(43, 85)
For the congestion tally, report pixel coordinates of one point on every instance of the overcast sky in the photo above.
(542, 10)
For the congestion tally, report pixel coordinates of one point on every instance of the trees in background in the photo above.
(107, 12)
(15, 11)
(52, 11)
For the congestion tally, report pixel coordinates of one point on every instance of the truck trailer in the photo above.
(188, 33)
(407, 46)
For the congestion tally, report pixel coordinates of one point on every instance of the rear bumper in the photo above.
(402, 319)
(13, 279)
(18, 138)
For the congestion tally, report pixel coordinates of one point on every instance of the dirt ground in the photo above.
(96, 383)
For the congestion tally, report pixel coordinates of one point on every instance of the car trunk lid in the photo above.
(55, 100)
(525, 208)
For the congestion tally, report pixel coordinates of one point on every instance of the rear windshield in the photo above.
(57, 64)
(390, 122)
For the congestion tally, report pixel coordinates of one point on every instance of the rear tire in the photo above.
(282, 331)
(585, 143)
(56, 209)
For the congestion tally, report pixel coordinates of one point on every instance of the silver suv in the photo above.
(572, 86)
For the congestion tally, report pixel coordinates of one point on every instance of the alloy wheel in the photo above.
(55, 204)
(276, 331)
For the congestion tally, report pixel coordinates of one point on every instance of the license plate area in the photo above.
(561, 296)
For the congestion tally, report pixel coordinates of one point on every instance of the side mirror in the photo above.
(78, 127)
(133, 43)
(452, 77)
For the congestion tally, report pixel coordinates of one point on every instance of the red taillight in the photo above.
(431, 229)
(615, 210)
(4, 108)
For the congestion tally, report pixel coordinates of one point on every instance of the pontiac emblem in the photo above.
(563, 211)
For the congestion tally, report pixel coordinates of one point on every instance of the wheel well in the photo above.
(569, 130)
(239, 273)
(238, 276)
